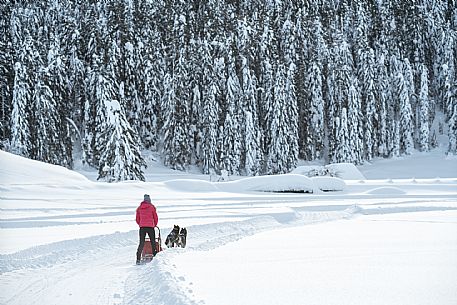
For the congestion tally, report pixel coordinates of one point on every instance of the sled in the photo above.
(146, 255)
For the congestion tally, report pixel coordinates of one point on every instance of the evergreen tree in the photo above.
(153, 75)
(368, 95)
(58, 83)
(343, 150)
(20, 120)
(266, 80)
(453, 129)
(291, 112)
(315, 114)
(120, 157)
(7, 73)
(116, 143)
(405, 112)
(46, 122)
(279, 148)
(252, 148)
(383, 95)
(424, 124)
(447, 72)
(315, 104)
(210, 126)
(354, 122)
(175, 138)
(232, 141)
(340, 75)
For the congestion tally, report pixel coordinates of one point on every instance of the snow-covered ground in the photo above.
(388, 239)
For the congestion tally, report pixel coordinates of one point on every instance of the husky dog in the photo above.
(173, 237)
(182, 238)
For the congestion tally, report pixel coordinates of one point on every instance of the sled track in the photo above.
(51, 264)
(161, 272)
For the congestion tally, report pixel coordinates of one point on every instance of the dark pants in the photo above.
(152, 236)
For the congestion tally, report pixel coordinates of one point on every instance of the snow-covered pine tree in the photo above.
(367, 74)
(175, 129)
(315, 114)
(58, 83)
(46, 121)
(153, 76)
(424, 109)
(437, 31)
(396, 139)
(283, 149)
(452, 148)
(315, 103)
(7, 72)
(25, 66)
(383, 95)
(20, 120)
(291, 112)
(231, 138)
(77, 72)
(405, 118)
(117, 144)
(210, 117)
(120, 156)
(131, 47)
(177, 98)
(248, 112)
(266, 79)
(288, 51)
(448, 72)
(302, 45)
(340, 75)
(89, 114)
(354, 121)
(362, 25)
(132, 93)
(278, 149)
(252, 147)
(343, 149)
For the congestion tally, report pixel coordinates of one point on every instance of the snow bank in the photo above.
(190, 185)
(327, 184)
(386, 191)
(346, 171)
(19, 170)
(274, 183)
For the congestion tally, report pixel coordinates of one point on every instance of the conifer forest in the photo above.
(242, 87)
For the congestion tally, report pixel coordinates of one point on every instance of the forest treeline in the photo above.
(236, 87)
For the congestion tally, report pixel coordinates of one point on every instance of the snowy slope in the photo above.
(386, 240)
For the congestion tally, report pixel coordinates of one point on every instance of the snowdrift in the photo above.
(329, 184)
(190, 185)
(19, 170)
(386, 190)
(275, 183)
(287, 183)
(346, 171)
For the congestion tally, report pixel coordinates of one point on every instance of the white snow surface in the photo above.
(387, 239)
(347, 171)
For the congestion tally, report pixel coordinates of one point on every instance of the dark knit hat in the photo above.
(147, 198)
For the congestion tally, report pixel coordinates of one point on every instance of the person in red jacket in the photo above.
(146, 218)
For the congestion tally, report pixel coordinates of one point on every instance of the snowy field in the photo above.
(388, 239)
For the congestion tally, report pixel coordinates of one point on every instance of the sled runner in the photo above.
(147, 254)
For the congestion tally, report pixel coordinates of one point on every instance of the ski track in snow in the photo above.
(103, 266)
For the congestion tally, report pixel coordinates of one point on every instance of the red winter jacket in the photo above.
(146, 215)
